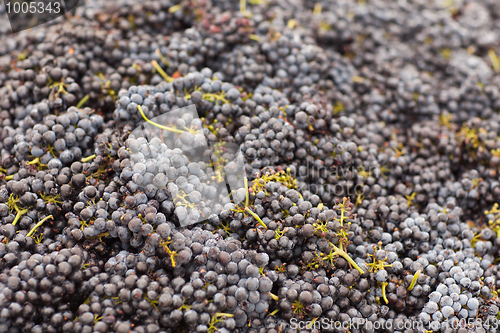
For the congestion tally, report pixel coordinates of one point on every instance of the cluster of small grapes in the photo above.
(211, 277)
(203, 89)
(55, 141)
(40, 291)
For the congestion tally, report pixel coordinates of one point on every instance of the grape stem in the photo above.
(171, 253)
(83, 101)
(243, 9)
(174, 8)
(494, 60)
(246, 191)
(161, 71)
(255, 217)
(32, 231)
(166, 128)
(384, 284)
(221, 314)
(339, 251)
(20, 212)
(414, 280)
(162, 58)
(35, 161)
(317, 8)
(88, 158)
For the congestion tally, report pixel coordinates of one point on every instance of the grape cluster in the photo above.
(41, 291)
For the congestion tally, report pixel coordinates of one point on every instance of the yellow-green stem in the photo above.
(174, 8)
(246, 191)
(20, 212)
(274, 312)
(255, 217)
(35, 161)
(32, 231)
(162, 58)
(221, 314)
(161, 71)
(88, 158)
(166, 128)
(83, 101)
(494, 60)
(317, 8)
(211, 97)
(414, 280)
(384, 284)
(343, 254)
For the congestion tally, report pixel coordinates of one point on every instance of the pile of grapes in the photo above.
(259, 166)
